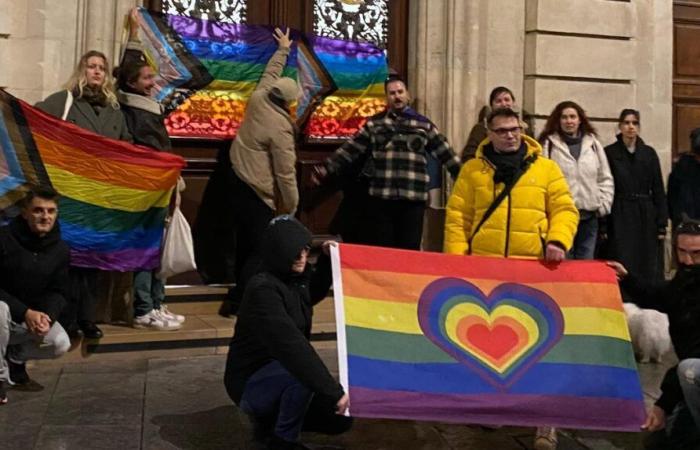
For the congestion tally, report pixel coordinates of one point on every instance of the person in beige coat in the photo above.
(262, 181)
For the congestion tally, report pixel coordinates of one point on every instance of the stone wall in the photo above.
(42, 40)
(604, 54)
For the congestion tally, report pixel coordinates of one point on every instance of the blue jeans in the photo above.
(683, 425)
(149, 292)
(272, 394)
(586, 237)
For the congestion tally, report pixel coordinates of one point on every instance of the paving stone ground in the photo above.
(180, 403)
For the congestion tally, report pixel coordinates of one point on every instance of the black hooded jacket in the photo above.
(33, 270)
(679, 298)
(684, 189)
(274, 321)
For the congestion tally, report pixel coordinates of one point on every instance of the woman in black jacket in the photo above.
(272, 371)
(636, 226)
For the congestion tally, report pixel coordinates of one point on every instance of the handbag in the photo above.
(178, 249)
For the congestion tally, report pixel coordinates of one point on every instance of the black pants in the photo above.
(394, 223)
(252, 216)
(83, 294)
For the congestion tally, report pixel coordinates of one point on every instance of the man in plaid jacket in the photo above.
(391, 155)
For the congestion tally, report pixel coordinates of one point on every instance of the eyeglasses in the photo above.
(503, 132)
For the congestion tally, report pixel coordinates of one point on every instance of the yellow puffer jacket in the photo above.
(539, 209)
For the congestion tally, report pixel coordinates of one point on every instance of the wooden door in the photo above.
(686, 72)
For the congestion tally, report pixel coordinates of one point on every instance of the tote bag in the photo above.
(178, 250)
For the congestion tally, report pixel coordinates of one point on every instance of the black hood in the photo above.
(284, 239)
(31, 241)
(687, 165)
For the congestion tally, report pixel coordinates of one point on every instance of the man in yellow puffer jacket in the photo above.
(537, 219)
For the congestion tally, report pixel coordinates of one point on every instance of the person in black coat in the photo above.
(675, 417)
(636, 226)
(272, 371)
(684, 183)
(33, 289)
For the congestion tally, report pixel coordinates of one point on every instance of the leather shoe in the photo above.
(90, 330)
(19, 378)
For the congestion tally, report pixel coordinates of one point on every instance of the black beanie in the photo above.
(284, 238)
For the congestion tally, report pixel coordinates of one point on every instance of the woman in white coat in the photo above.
(570, 140)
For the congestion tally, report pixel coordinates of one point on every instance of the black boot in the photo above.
(3, 393)
(19, 378)
(90, 330)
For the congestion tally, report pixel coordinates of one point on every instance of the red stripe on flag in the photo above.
(503, 269)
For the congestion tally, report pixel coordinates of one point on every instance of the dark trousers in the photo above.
(586, 237)
(278, 404)
(83, 294)
(252, 216)
(393, 223)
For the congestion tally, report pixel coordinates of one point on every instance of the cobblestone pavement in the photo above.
(180, 403)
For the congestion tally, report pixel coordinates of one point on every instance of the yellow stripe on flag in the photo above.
(403, 318)
(104, 194)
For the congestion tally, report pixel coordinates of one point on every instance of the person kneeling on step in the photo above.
(272, 371)
(33, 283)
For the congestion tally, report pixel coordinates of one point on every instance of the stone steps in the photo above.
(204, 332)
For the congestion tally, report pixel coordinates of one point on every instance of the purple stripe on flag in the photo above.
(500, 409)
(121, 260)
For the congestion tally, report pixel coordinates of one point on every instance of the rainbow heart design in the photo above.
(500, 335)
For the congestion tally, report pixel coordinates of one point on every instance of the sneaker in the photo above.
(545, 438)
(155, 321)
(166, 313)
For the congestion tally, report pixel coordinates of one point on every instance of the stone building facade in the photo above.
(603, 54)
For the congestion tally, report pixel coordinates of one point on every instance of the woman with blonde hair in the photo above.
(90, 102)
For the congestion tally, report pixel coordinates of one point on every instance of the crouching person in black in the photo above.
(675, 418)
(33, 281)
(272, 372)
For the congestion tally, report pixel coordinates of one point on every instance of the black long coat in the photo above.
(639, 213)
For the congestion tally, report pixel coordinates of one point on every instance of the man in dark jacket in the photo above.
(33, 282)
(272, 372)
(684, 183)
(675, 418)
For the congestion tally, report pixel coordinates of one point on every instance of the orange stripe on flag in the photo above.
(373, 284)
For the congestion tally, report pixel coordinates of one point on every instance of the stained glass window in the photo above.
(232, 11)
(353, 20)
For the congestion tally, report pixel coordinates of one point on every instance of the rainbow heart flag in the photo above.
(466, 339)
(114, 195)
(207, 70)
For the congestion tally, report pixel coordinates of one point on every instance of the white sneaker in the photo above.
(155, 321)
(166, 313)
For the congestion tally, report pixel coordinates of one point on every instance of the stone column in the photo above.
(42, 40)
(458, 52)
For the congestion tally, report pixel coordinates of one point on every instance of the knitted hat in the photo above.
(286, 89)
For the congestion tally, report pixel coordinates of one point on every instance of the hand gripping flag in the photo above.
(427, 336)
(114, 195)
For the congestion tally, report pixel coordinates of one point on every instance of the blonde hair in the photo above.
(78, 80)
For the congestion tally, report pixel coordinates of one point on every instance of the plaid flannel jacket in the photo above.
(395, 148)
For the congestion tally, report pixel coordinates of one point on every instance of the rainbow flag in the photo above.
(208, 70)
(466, 339)
(114, 195)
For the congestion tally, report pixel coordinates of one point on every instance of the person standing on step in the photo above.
(569, 139)
(262, 180)
(89, 101)
(33, 290)
(636, 227)
(272, 371)
(145, 120)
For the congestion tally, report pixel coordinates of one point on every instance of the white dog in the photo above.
(649, 332)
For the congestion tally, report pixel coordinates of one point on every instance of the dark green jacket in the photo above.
(109, 123)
